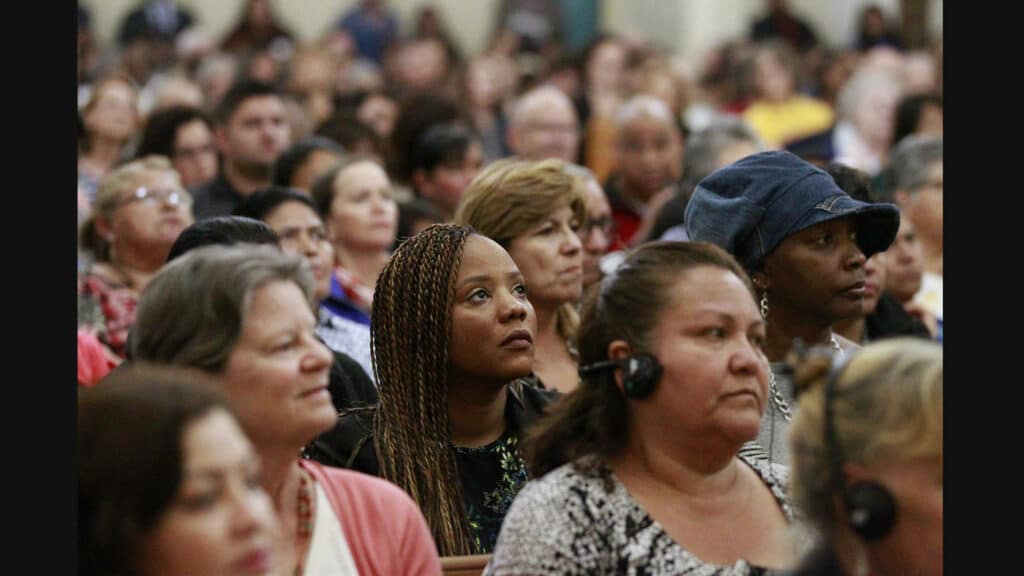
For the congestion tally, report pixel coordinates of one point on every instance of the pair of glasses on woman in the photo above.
(155, 196)
(605, 224)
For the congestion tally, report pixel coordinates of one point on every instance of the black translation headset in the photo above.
(869, 506)
(640, 373)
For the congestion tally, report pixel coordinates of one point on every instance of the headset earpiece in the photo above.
(640, 373)
(870, 509)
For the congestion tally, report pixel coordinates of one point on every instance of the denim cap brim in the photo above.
(749, 207)
(877, 224)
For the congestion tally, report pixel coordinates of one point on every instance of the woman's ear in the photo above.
(103, 229)
(618, 350)
(760, 279)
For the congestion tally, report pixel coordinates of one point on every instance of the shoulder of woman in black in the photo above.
(349, 444)
(349, 384)
(890, 319)
(528, 399)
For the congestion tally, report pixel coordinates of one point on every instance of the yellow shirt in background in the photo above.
(780, 123)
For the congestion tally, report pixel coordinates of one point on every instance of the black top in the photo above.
(491, 476)
(349, 384)
(890, 320)
(215, 198)
(350, 443)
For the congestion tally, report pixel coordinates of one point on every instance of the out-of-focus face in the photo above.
(875, 113)
(817, 274)
(194, 155)
(221, 521)
(422, 65)
(650, 155)
(318, 162)
(547, 128)
(709, 341)
(481, 86)
(364, 215)
(277, 373)
(904, 263)
(493, 323)
(113, 114)
(605, 68)
(774, 81)
(874, 281)
(256, 133)
(445, 183)
(597, 234)
(380, 113)
(924, 207)
(915, 544)
(550, 255)
(302, 232)
(152, 213)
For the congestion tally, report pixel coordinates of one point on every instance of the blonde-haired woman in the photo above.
(109, 121)
(534, 210)
(140, 210)
(866, 464)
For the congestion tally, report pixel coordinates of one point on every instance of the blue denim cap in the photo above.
(749, 207)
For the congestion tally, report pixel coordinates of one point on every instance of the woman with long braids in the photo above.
(452, 335)
(804, 243)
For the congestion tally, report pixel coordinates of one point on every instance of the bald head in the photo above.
(544, 125)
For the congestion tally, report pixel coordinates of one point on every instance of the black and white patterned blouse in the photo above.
(567, 523)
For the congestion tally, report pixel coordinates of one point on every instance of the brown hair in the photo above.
(625, 305)
(193, 311)
(129, 448)
(510, 196)
(410, 333)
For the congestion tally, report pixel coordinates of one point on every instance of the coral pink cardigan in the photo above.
(386, 531)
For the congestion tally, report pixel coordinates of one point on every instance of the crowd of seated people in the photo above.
(372, 304)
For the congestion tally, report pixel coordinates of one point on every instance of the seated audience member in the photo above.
(301, 163)
(916, 168)
(109, 121)
(185, 135)
(251, 130)
(543, 125)
(867, 460)
(804, 243)
(535, 211)
(413, 217)
(904, 270)
(167, 481)
(244, 315)
(140, 210)
(453, 335)
(598, 229)
(349, 383)
(918, 115)
(293, 217)
(222, 230)
(649, 163)
(356, 202)
(883, 316)
(639, 469)
(445, 160)
(723, 141)
(779, 114)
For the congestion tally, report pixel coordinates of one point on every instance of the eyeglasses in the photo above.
(154, 197)
(606, 224)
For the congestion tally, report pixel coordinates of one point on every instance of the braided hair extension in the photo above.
(410, 331)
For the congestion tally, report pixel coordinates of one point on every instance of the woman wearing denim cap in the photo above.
(804, 242)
